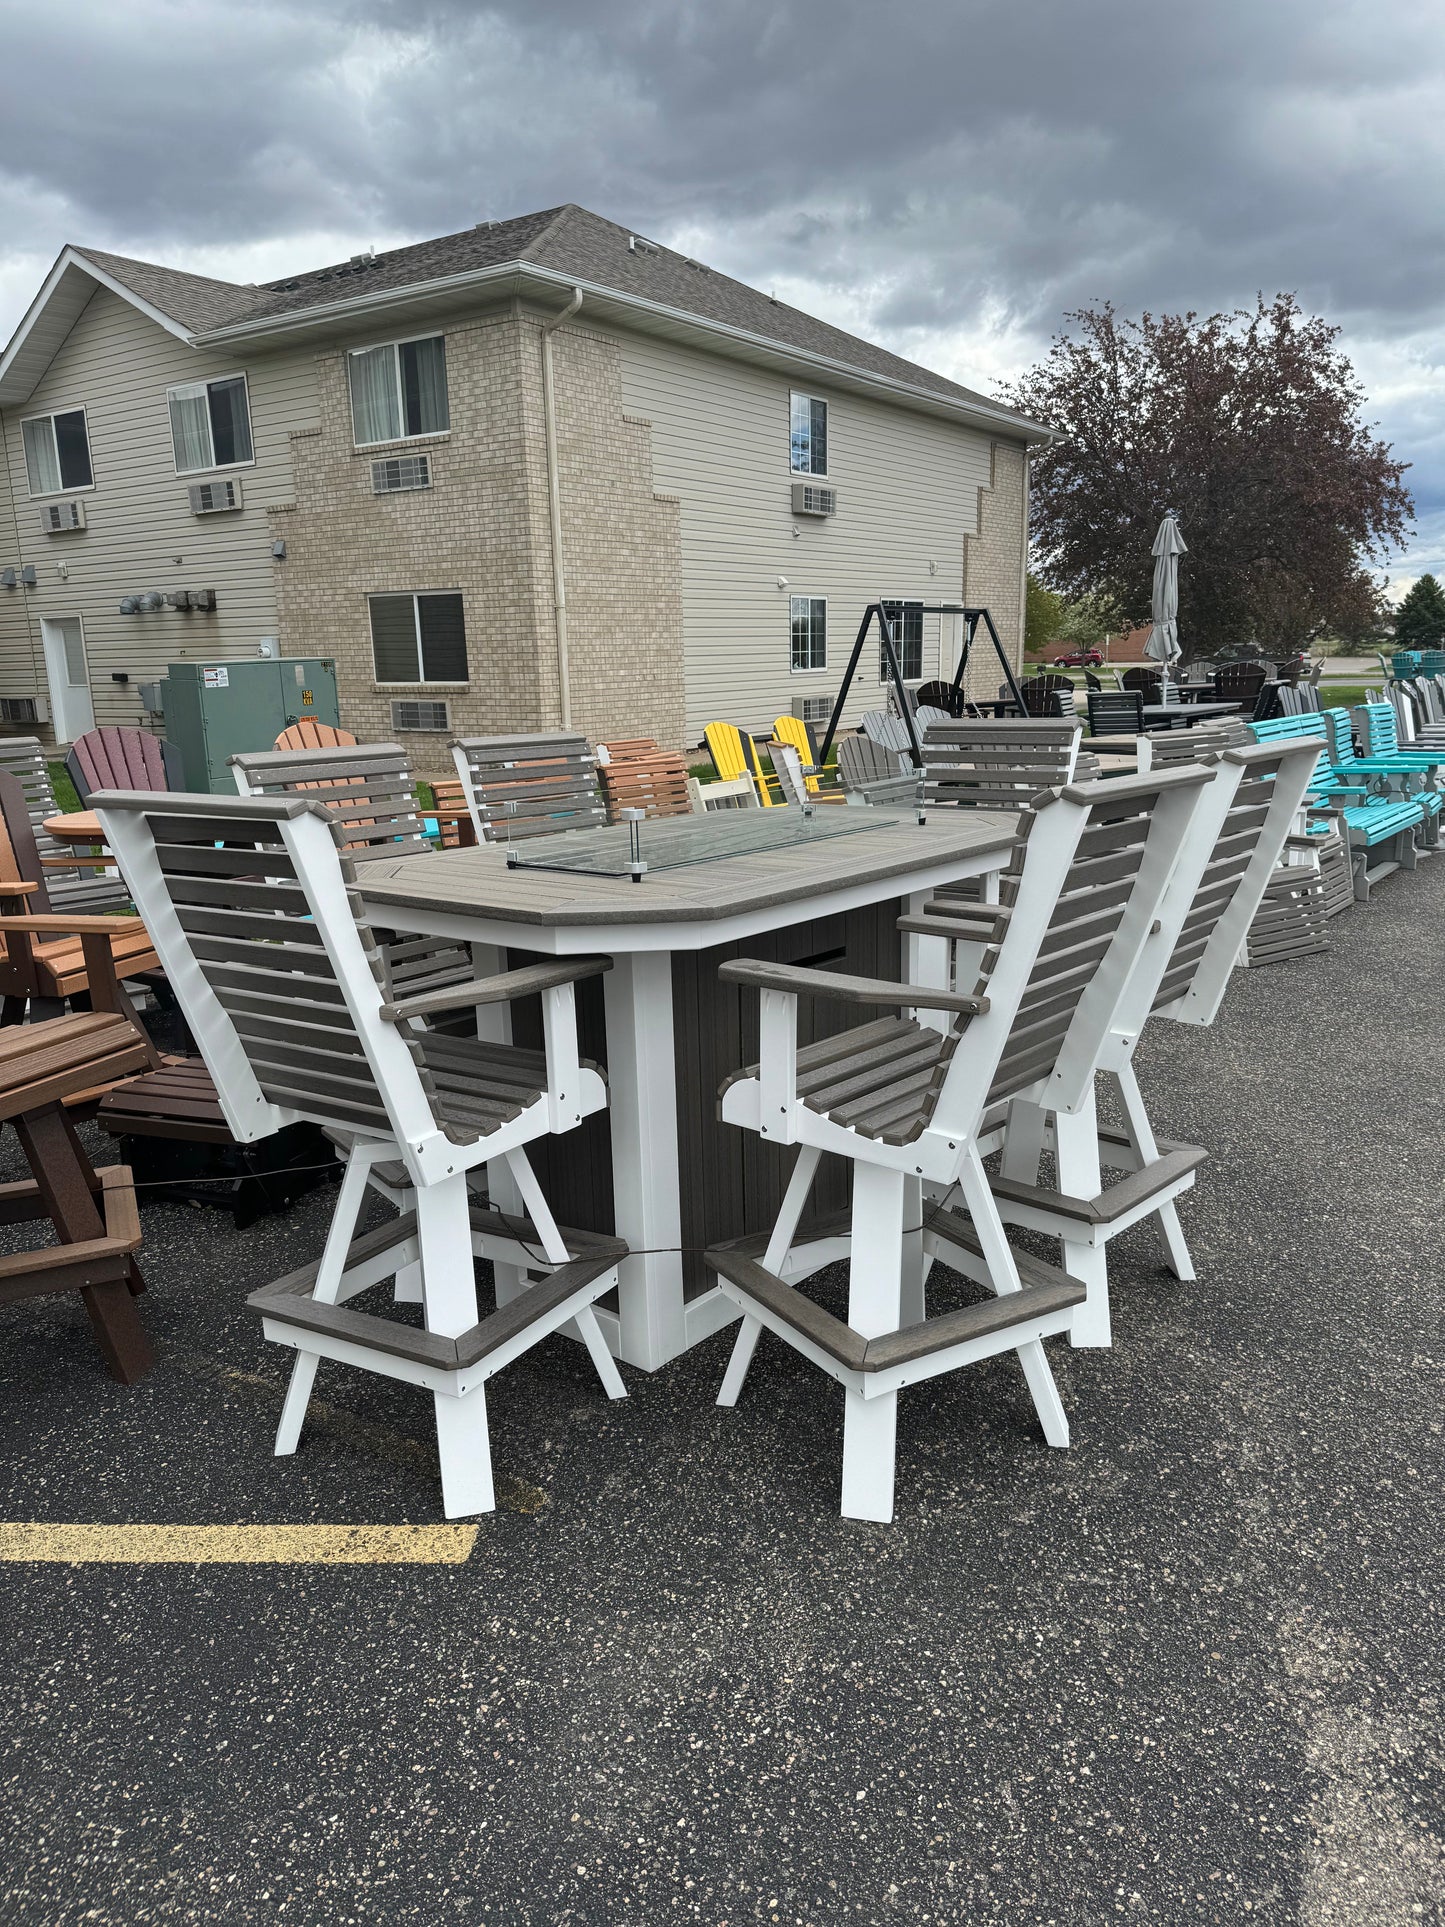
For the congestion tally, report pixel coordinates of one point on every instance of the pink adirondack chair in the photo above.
(122, 758)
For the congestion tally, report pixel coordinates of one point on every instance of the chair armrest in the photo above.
(956, 929)
(17, 889)
(794, 981)
(1113, 745)
(55, 926)
(500, 989)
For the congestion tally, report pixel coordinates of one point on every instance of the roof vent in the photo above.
(636, 245)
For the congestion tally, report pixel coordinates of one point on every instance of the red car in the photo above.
(1078, 659)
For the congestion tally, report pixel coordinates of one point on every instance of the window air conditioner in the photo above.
(810, 500)
(419, 715)
(398, 472)
(58, 517)
(813, 709)
(213, 498)
(19, 709)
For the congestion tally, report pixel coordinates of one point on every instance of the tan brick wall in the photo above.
(993, 567)
(483, 528)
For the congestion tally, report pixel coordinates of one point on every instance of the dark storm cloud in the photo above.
(908, 169)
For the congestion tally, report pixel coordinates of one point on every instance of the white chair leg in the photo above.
(913, 1298)
(744, 1347)
(1141, 1133)
(1076, 1145)
(1025, 1132)
(590, 1332)
(870, 1431)
(465, 1453)
(1045, 1392)
(293, 1409)
(407, 1290)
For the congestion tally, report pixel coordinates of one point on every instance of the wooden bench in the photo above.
(639, 775)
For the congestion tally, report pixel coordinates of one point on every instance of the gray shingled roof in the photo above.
(568, 241)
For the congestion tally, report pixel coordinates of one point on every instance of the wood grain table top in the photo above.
(478, 881)
(77, 826)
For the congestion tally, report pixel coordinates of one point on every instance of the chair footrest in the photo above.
(838, 1339)
(89, 1261)
(1115, 1200)
(288, 1300)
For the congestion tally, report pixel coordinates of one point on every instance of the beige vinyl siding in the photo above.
(907, 489)
(118, 365)
(18, 662)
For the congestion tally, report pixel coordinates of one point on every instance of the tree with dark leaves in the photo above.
(1249, 425)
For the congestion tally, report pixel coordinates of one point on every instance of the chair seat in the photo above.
(43, 1063)
(62, 960)
(477, 1086)
(878, 1079)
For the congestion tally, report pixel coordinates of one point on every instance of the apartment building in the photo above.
(540, 471)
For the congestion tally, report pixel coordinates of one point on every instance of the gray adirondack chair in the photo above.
(251, 903)
(70, 885)
(905, 1101)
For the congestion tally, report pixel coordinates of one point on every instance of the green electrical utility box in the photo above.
(215, 710)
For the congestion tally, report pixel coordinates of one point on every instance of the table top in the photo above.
(676, 842)
(1184, 712)
(77, 826)
(479, 883)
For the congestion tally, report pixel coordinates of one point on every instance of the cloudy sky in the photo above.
(946, 176)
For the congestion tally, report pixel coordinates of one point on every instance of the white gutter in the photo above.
(359, 306)
(554, 505)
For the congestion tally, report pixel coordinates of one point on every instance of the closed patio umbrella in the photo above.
(1163, 643)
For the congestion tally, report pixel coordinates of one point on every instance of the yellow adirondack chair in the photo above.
(794, 731)
(734, 754)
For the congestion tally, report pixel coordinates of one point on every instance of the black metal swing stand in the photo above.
(888, 616)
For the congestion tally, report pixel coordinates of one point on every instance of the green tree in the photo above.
(1250, 425)
(1087, 620)
(1043, 613)
(1420, 618)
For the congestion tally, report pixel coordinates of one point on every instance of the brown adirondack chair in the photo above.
(639, 775)
(44, 962)
(313, 735)
(43, 1067)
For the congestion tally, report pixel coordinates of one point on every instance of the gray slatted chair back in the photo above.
(1116, 711)
(887, 731)
(861, 761)
(520, 786)
(367, 788)
(90, 891)
(1087, 923)
(1251, 839)
(1175, 748)
(997, 765)
(252, 905)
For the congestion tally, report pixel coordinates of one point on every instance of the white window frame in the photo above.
(814, 669)
(396, 343)
(49, 414)
(803, 394)
(212, 467)
(415, 594)
(901, 602)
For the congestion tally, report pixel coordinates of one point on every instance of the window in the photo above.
(418, 638)
(57, 452)
(399, 390)
(907, 620)
(810, 632)
(210, 424)
(809, 439)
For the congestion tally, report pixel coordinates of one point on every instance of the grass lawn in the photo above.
(67, 799)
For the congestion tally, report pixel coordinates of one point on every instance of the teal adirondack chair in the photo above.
(1369, 823)
(1392, 774)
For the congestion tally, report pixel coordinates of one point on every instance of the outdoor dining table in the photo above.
(76, 826)
(659, 1169)
(1172, 715)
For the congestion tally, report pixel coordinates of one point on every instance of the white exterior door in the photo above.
(70, 705)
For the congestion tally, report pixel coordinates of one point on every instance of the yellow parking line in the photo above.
(238, 1545)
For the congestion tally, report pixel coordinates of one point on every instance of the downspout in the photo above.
(554, 504)
(1024, 567)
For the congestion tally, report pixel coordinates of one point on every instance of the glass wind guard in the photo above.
(672, 843)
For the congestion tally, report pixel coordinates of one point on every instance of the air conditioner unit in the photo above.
(813, 709)
(398, 472)
(19, 709)
(808, 500)
(57, 518)
(214, 498)
(419, 715)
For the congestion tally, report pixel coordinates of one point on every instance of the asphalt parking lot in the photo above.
(1188, 1671)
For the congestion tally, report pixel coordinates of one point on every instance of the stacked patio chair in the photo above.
(1182, 970)
(735, 755)
(637, 774)
(520, 786)
(905, 1102)
(1396, 772)
(123, 756)
(252, 900)
(71, 882)
(1419, 714)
